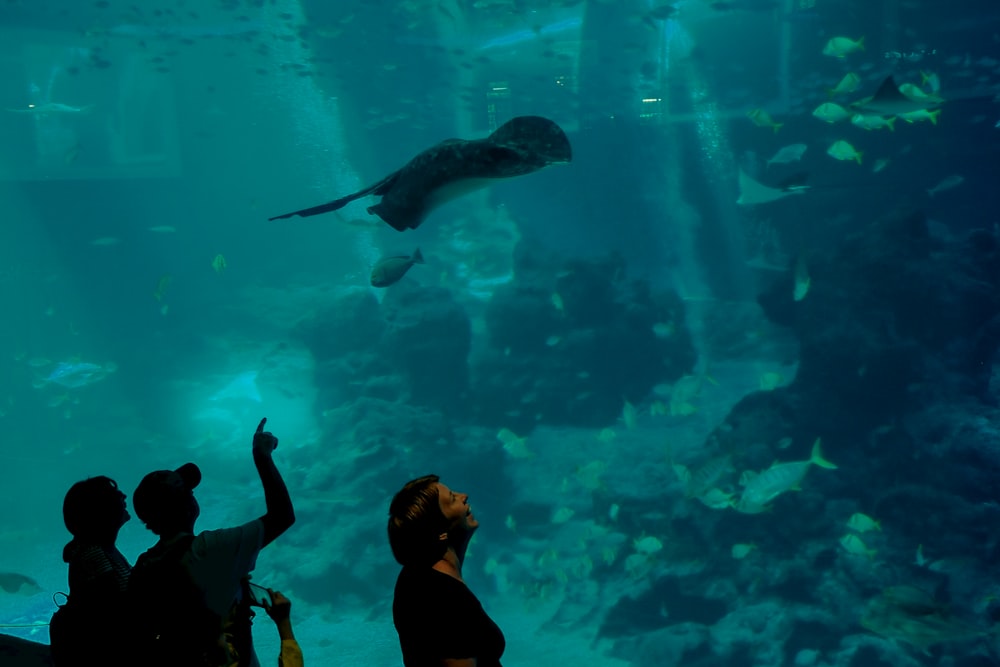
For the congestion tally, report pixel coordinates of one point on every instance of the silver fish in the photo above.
(389, 270)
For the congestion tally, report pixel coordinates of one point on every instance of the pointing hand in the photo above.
(264, 442)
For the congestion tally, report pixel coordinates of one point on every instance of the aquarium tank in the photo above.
(694, 305)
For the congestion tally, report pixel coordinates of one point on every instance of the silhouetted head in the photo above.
(164, 499)
(425, 517)
(94, 510)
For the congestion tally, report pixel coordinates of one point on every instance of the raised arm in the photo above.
(280, 514)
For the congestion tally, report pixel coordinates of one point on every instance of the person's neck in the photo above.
(450, 564)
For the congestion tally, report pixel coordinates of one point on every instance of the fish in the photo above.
(760, 489)
(921, 115)
(853, 545)
(841, 150)
(455, 167)
(848, 84)
(106, 241)
(762, 118)
(915, 93)
(873, 122)
(741, 551)
(53, 108)
(219, 263)
(630, 414)
(838, 47)
(786, 154)
(514, 445)
(76, 374)
(952, 181)
(802, 280)
(931, 80)
(889, 100)
(753, 192)
(162, 285)
(18, 584)
(880, 164)
(831, 112)
(389, 270)
(163, 229)
(862, 523)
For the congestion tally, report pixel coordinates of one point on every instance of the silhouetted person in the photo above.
(84, 632)
(280, 611)
(439, 620)
(214, 562)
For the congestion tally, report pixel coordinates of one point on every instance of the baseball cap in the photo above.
(159, 492)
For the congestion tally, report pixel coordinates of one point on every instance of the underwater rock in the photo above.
(568, 339)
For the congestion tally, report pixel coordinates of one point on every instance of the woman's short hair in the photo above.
(416, 523)
(92, 507)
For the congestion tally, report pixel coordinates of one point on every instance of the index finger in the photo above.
(260, 426)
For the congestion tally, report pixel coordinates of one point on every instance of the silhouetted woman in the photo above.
(93, 633)
(439, 620)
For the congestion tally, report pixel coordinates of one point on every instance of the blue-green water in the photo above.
(621, 313)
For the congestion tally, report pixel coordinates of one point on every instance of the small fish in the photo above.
(866, 122)
(770, 380)
(841, 150)
(629, 414)
(915, 93)
(52, 108)
(647, 545)
(557, 302)
(761, 118)
(515, 446)
(161, 286)
(606, 435)
(76, 374)
(787, 154)
(562, 515)
(510, 523)
(389, 270)
(760, 489)
(880, 164)
(163, 229)
(106, 241)
(862, 523)
(830, 112)
(931, 80)
(952, 181)
(802, 279)
(853, 545)
(741, 551)
(219, 263)
(838, 47)
(921, 115)
(848, 84)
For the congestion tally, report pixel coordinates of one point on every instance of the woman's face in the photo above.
(125, 515)
(456, 509)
